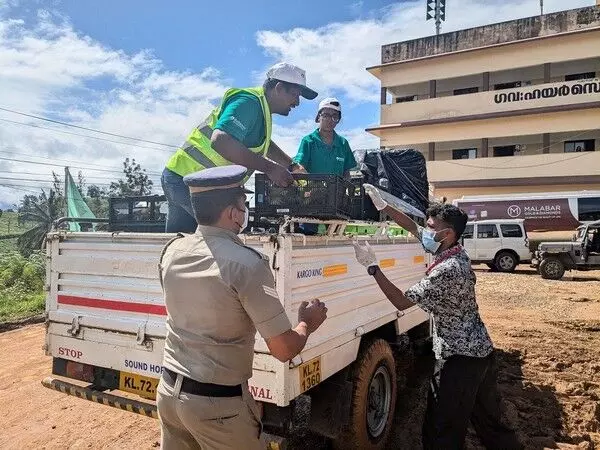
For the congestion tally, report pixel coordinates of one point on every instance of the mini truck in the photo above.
(582, 253)
(105, 319)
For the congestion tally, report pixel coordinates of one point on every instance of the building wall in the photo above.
(561, 48)
(494, 34)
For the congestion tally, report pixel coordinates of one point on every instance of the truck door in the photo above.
(488, 241)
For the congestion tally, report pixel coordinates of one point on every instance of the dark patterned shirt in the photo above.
(448, 294)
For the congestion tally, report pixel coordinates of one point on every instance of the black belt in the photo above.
(194, 387)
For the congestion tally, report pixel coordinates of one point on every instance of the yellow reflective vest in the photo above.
(197, 152)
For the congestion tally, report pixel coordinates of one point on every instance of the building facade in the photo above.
(512, 107)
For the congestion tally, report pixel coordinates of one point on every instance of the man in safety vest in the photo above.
(238, 131)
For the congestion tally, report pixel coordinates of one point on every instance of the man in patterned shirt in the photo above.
(464, 386)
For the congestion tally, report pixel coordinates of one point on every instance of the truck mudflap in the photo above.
(86, 393)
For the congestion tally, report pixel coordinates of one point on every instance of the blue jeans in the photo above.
(180, 215)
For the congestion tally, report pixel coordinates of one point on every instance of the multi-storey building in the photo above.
(499, 109)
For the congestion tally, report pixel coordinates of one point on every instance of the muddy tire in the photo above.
(552, 269)
(506, 262)
(373, 399)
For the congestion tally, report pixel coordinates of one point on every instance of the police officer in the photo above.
(218, 293)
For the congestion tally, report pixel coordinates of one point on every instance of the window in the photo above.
(589, 208)
(469, 90)
(506, 150)
(468, 233)
(580, 76)
(464, 153)
(408, 98)
(120, 210)
(511, 230)
(588, 145)
(511, 85)
(487, 231)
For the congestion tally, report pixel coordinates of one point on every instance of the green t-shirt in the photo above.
(318, 157)
(242, 118)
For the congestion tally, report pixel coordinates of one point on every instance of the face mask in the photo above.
(428, 240)
(246, 217)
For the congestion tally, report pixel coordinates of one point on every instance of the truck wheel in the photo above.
(373, 399)
(492, 266)
(552, 269)
(505, 262)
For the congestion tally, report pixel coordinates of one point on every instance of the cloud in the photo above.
(335, 56)
(51, 70)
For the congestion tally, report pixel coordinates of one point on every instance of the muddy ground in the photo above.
(548, 339)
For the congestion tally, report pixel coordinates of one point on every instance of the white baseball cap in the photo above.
(331, 103)
(294, 75)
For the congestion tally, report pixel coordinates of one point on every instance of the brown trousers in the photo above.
(207, 423)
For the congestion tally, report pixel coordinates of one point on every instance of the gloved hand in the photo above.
(373, 192)
(364, 255)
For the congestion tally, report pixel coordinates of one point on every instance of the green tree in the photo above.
(136, 181)
(81, 182)
(42, 211)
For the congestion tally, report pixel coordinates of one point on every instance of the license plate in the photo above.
(310, 374)
(138, 384)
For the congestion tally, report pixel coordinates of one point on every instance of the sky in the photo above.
(153, 70)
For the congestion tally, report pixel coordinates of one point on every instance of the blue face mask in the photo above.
(428, 240)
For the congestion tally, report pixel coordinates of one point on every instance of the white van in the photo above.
(502, 244)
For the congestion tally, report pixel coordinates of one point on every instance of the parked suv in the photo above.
(501, 244)
(583, 253)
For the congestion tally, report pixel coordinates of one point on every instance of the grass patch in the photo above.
(21, 285)
(16, 304)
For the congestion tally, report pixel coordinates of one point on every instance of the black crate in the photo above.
(315, 195)
(138, 214)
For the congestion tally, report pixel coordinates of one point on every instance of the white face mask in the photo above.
(428, 240)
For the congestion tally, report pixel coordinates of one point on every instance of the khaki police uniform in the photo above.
(218, 293)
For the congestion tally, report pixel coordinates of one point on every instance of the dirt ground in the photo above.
(548, 339)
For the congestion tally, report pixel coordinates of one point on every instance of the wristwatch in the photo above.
(372, 270)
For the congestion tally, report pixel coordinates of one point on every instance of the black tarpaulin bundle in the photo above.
(401, 172)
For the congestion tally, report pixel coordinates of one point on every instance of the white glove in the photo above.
(373, 192)
(364, 255)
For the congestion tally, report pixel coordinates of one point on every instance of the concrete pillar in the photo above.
(432, 89)
(383, 95)
(546, 142)
(431, 155)
(486, 81)
(484, 147)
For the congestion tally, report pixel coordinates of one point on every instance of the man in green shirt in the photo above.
(238, 131)
(324, 151)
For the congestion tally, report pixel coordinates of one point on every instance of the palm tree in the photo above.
(43, 211)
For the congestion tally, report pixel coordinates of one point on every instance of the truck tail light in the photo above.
(80, 371)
